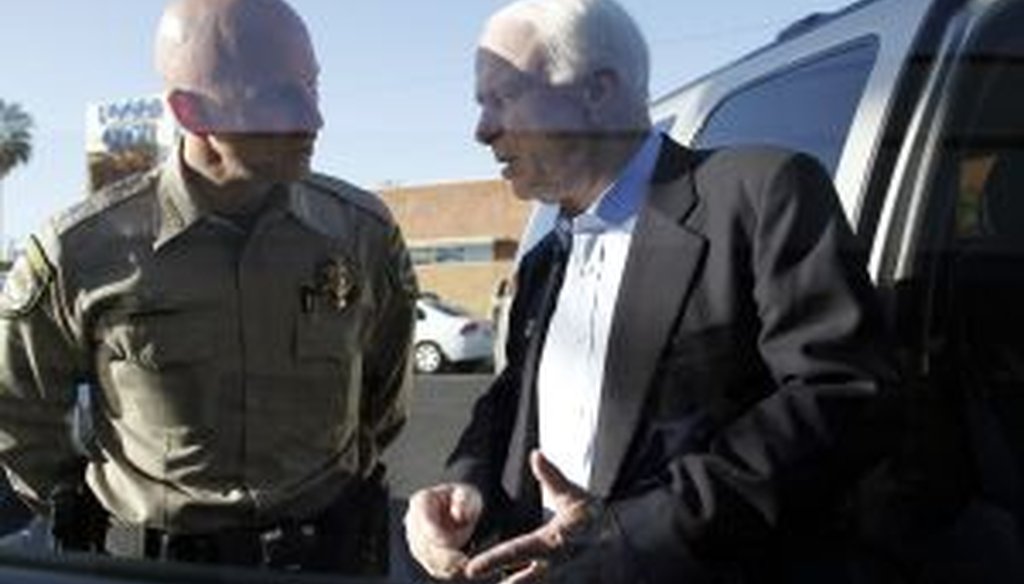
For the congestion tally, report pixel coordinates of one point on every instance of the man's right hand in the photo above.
(439, 522)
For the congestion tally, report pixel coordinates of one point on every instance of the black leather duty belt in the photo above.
(286, 546)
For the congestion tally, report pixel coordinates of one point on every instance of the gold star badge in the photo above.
(335, 282)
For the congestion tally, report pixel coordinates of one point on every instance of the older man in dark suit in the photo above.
(696, 372)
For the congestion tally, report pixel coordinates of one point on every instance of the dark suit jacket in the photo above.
(746, 382)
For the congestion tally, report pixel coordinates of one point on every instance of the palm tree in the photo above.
(15, 137)
(15, 149)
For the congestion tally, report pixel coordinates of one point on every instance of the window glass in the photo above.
(807, 108)
(446, 307)
(972, 253)
(422, 255)
(452, 253)
(983, 144)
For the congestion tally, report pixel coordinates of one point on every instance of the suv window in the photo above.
(808, 107)
(972, 260)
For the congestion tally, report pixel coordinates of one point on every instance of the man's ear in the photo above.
(600, 86)
(601, 93)
(188, 110)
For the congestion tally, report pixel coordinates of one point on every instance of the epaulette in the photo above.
(26, 282)
(352, 194)
(105, 198)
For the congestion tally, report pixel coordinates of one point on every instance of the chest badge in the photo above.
(335, 283)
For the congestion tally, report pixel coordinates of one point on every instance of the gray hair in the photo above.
(580, 37)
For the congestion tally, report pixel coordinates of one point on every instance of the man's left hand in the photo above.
(528, 558)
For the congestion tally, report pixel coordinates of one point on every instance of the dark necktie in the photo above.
(561, 248)
(524, 434)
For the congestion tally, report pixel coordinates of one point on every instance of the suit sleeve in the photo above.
(768, 470)
(39, 366)
(479, 455)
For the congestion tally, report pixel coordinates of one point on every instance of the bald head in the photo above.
(249, 63)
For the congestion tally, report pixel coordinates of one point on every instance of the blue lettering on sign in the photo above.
(127, 136)
(131, 110)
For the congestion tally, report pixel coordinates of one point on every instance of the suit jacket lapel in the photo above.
(660, 269)
(538, 281)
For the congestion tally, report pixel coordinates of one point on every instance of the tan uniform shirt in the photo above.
(244, 375)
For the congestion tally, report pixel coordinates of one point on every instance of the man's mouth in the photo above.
(507, 170)
(505, 160)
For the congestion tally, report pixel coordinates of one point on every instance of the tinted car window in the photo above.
(969, 266)
(808, 107)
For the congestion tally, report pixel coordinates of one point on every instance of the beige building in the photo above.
(462, 236)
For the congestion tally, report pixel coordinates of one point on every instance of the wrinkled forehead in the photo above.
(233, 46)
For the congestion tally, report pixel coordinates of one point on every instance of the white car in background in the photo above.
(449, 336)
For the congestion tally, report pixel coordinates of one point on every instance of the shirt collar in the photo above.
(622, 199)
(181, 207)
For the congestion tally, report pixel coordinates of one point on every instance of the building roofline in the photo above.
(382, 187)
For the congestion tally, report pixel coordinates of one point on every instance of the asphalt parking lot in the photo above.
(440, 408)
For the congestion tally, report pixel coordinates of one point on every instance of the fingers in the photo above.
(514, 554)
(438, 522)
(465, 504)
(424, 517)
(446, 514)
(534, 572)
(548, 474)
(562, 492)
(528, 556)
(440, 562)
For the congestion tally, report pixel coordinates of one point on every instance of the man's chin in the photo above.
(293, 174)
(528, 192)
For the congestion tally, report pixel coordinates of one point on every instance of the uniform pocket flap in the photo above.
(324, 336)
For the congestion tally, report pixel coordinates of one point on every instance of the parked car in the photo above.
(914, 107)
(448, 336)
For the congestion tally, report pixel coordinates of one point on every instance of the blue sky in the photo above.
(396, 82)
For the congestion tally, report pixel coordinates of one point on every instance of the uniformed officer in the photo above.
(239, 326)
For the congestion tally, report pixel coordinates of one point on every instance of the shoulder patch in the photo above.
(352, 194)
(105, 198)
(26, 281)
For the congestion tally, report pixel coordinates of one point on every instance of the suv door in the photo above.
(949, 259)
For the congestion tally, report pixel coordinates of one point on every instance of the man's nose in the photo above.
(310, 118)
(488, 127)
(315, 121)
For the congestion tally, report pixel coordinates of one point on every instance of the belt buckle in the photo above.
(199, 548)
(285, 546)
